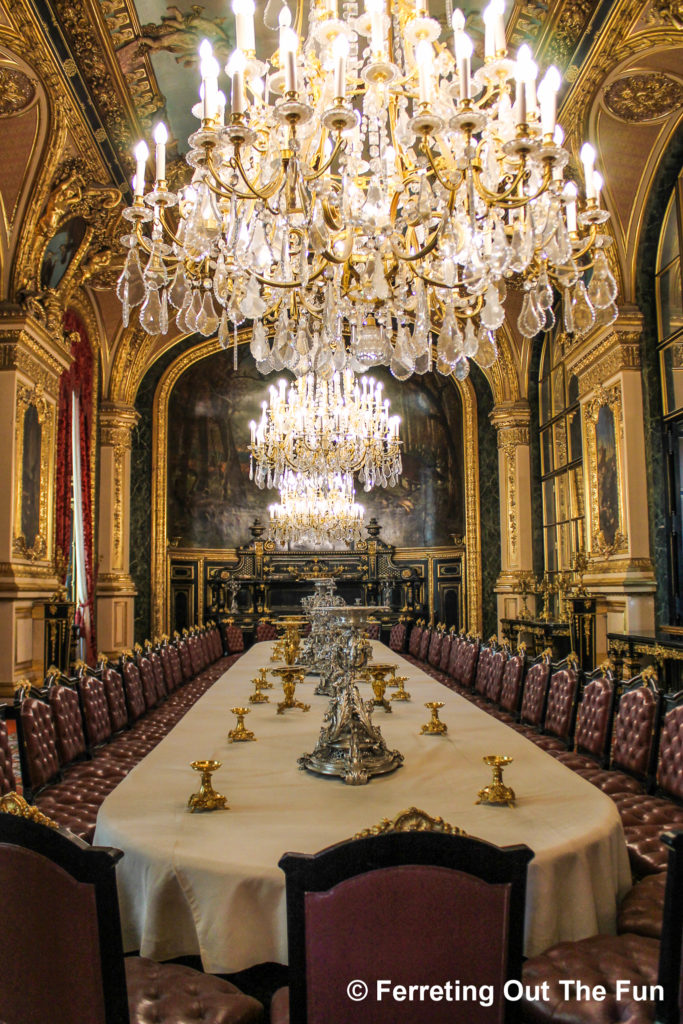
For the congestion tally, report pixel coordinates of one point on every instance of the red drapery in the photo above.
(79, 378)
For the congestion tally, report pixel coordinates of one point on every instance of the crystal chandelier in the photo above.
(317, 509)
(318, 427)
(370, 199)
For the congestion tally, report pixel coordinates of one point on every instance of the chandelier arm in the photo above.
(429, 247)
(442, 181)
(587, 246)
(266, 194)
(288, 284)
(497, 198)
(230, 191)
(171, 234)
(339, 145)
(149, 248)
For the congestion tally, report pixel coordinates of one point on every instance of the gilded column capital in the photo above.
(116, 424)
(606, 353)
(512, 420)
(29, 348)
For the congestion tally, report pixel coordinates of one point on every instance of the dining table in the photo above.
(208, 883)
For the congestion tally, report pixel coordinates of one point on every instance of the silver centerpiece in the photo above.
(350, 745)
(319, 647)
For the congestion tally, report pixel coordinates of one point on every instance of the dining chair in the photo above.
(386, 911)
(62, 940)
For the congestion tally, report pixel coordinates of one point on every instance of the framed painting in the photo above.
(33, 483)
(604, 440)
(60, 252)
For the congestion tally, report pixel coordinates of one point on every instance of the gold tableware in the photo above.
(497, 792)
(383, 669)
(207, 799)
(265, 682)
(290, 675)
(257, 697)
(240, 734)
(401, 693)
(434, 727)
(379, 685)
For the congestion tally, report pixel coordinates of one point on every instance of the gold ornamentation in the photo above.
(290, 675)
(401, 693)
(240, 734)
(412, 820)
(612, 399)
(497, 792)
(434, 727)
(206, 799)
(257, 697)
(666, 12)
(645, 96)
(17, 91)
(40, 547)
(13, 803)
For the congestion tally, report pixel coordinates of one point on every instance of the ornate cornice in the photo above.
(117, 422)
(618, 350)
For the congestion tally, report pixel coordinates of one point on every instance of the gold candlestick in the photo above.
(434, 727)
(378, 682)
(265, 682)
(257, 697)
(207, 799)
(291, 675)
(497, 792)
(240, 734)
(401, 693)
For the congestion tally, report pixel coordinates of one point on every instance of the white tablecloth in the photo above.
(209, 883)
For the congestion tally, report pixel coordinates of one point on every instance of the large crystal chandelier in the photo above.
(316, 509)
(369, 196)
(316, 427)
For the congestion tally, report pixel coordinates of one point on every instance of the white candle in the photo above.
(340, 51)
(489, 16)
(376, 10)
(588, 160)
(463, 54)
(499, 10)
(424, 54)
(235, 69)
(141, 154)
(570, 193)
(597, 185)
(524, 72)
(284, 21)
(160, 138)
(421, 8)
(547, 97)
(458, 22)
(244, 25)
(289, 43)
(220, 100)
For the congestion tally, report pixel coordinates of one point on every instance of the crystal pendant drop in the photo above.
(584, 314)
(207, 320)
(163, 312)
(470, 344)
(178, 289)
(193, 311)
(402, 363)
(487, 350)
(493, 314)
(258, 346)
(224, 331)
(607, 315)
(602, 290)
(150, 312)
(461, 370)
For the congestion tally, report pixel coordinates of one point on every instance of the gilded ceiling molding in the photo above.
(643, 96)
(503, 376)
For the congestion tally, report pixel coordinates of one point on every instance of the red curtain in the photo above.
(79, 378)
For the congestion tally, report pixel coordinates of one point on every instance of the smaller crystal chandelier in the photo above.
(316, 509)
(318, 426)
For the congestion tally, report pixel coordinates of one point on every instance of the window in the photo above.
(561, 458)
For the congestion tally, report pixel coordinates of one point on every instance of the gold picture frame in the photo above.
(33, 488)
(604, 439)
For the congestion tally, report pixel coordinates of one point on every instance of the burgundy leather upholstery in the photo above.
(40, 742)
(173, 993)
(466, 664)
(8, 781)
(446, 652)
(234, 637)
(641, 909)
(562, 693)
(176, 667)
(434, 652)
(116, 699)
(397, 637)
(66, 715)
(373, 631)
(634, 731)
(535, 690)
(185, 660)
(159, 678)
(456, 644)
(95, 711)
(602, 960)
(149, 687)
(511, 686)
(670, 765)
(592, 725)
(415, 640)
(483, 665)
(196, 659)
(265, 631)
(216, 643)
(133, 687)
(425, 641)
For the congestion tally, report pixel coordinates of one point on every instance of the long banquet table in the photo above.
(209, 884)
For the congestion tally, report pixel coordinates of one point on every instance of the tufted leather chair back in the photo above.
(535, 693)
(495, 677)
(265, 631)
(234, 638)
(185, 660)
(159, 678)
(425, 641)
(483, 666)
(205, 648)
(116, 699)
(373, 631)
(634, 730)
(95, 710)
(218, 642)
(165, 659)
(149, 687)
(467, 663)
(66, 715)
(196, 659)
(8, 781)
(213, 646)
(445, 652)
(39, 741)
(414, 641)
(456, 644)
(176, 667)
(511, 684)
(434, 652)
(670, 767)
(593, 719)
(562, 692)
(397, 637)
(133, 687)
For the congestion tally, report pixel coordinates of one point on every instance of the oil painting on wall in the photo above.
(607, 474)
(60, 251)
(212, 502)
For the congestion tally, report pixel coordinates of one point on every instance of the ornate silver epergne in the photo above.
(318, 648)
(350, 745)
